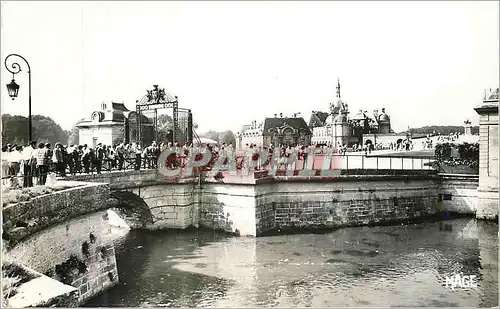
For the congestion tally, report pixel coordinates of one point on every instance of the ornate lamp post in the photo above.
(13, 88)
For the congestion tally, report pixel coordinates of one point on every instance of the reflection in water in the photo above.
(364, 266)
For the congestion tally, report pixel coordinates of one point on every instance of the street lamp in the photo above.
(13, 88)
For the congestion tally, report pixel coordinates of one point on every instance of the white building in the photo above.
(113, 124)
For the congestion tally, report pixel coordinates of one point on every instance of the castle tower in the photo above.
(340, 128)
(338, 89)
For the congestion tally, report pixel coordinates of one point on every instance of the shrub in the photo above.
(468, 154)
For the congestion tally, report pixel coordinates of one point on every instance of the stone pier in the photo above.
(488, 156)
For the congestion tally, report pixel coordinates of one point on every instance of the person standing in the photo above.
(5, 166)
(100, 154)
(50, 153)
(120, 153)
(28, 165)
(58, 159)
(15, 159)
(77, 157)
(69, 159)
(146, 154)
(41, 155)
(137, 149)
(86, 158)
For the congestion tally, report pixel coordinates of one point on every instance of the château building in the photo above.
(338, 127)
(275, 131)
(113, 124)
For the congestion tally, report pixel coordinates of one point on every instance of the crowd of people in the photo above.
(32, 164)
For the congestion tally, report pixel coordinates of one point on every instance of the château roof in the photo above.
(297, 123)
(112, 114)
(318, 119)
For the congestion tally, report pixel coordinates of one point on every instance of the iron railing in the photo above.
(338, 162)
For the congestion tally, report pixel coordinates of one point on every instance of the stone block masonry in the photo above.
(26, 218)
(488, 159)
(458, 193)
(230, 208)
(347, 201)
(254, 206)
(171, 205)
(79, 253)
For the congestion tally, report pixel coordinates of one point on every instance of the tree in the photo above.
(73, 136)
(443, 130)
(163, 125)
(211, 134)
(15, 130)
(227, 137)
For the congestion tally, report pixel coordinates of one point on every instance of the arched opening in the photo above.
(132, 208)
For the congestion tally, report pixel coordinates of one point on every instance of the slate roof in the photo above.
(318, 119)
(119, 107)
(297, 123)
(118, 113)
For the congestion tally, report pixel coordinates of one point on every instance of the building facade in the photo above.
(114, 124)
(337, 127)
(289, 131)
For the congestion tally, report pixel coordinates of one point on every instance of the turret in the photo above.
(384, 122)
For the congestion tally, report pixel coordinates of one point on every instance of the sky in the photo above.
(426, 62)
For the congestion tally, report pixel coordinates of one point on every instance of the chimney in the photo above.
(281, 115)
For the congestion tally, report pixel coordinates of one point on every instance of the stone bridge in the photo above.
(54, 233)
(255, 204)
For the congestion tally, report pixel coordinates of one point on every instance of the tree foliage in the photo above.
(221, 137)
(15, 130)
(73, 136)
(164, 124)
(443, 130)
(458, 154)
(227, 137)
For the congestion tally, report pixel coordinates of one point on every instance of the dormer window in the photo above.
(97, 116)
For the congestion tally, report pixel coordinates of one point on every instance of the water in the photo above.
(365, 266)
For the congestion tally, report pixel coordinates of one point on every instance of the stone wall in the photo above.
(228, 207)
(171, 205)
(458, 193)
(79, 253)
(119, 179)
(248, 206)
(343, 201)
(33, 289)
(26, 218)
(488, 160)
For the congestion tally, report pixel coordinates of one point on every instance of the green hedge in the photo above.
(468, 154)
